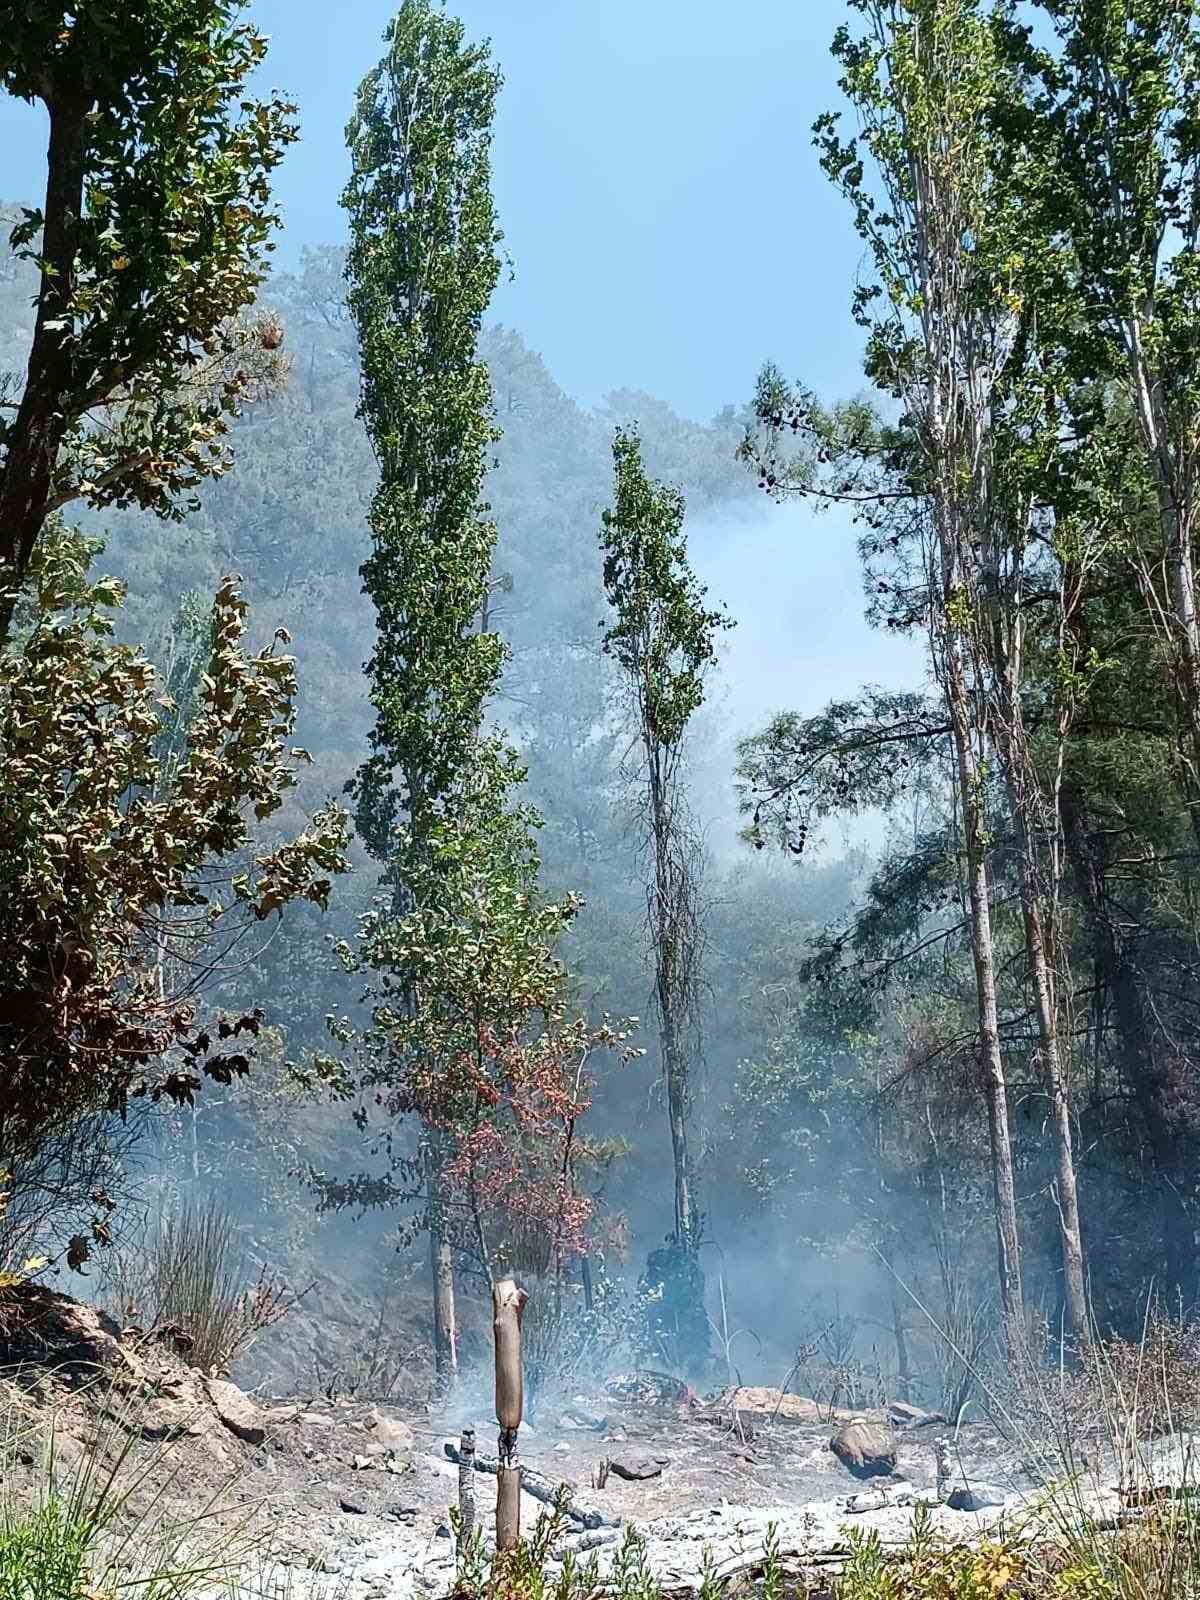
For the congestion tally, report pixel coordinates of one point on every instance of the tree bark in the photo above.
(508, 1306)
(1021, 783)
(667, 979)
(44, 414)
(441, 1261)
(995, 1087)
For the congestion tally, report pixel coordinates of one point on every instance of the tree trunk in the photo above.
(676, 1074)
(668, 989)
(445, 1330)
(508, 1307)
(994, 1085)
(1136, 1056)
(1009, 739)
(45, 412)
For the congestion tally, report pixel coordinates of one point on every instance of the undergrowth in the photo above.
(90, 1525)
(1151, 1557)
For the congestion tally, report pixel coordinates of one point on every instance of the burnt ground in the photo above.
(352, 1496)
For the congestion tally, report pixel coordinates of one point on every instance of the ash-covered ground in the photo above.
(352, 1497)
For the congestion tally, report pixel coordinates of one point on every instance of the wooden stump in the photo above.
(508, 1305)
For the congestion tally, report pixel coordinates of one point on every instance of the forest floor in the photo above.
(351, 1498)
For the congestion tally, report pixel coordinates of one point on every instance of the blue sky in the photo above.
(656, 180)
(655, 177)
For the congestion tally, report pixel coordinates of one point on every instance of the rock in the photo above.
(389, 1431)
(315, 1419)
(362, 1464)
(351, 1507)
(637, 1468)
(236, 1410)
(396, 1512)
(976, 1497)
(576, 1416)
(867, 1449)
(765, 1405)
(905, 1416)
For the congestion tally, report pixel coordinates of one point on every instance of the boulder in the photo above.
(866, 1449)
(389, 1431)
(763, 1405)
(236, 1410)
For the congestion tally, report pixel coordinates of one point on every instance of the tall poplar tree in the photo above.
(663, 637)
(421, 268)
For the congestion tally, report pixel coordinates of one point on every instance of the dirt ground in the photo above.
(362, 1490)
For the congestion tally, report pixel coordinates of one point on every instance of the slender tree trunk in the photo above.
(44, 415)
(1008, 736)
(668, 980)
(676, 1073)
(585, 1273)
(1071, 1238)
(445, 1329)
(995, 1086)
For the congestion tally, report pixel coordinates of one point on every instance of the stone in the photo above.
(635, 1469)
(236, 1410)
(975, 1497)
(389, 1431)
(351, 1507)
(866, 1449)
(362, 1464)
(766, 1405)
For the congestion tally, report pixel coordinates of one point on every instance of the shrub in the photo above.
(189, 1275)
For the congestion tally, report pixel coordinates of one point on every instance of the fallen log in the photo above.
(539, 1487)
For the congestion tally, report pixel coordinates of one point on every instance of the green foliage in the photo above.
(110, 865)
(150, 244)
(663, 638)
(421, 269)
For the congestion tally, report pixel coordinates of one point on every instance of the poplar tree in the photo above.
(421, 268)
(663, 638)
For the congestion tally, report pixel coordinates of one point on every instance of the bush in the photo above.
(189, 1275)
(564, 1343)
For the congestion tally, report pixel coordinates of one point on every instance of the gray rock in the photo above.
(236, 1410)
(637, 1468)
(976, 1497)
(389, 1431)
(866, 1449)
